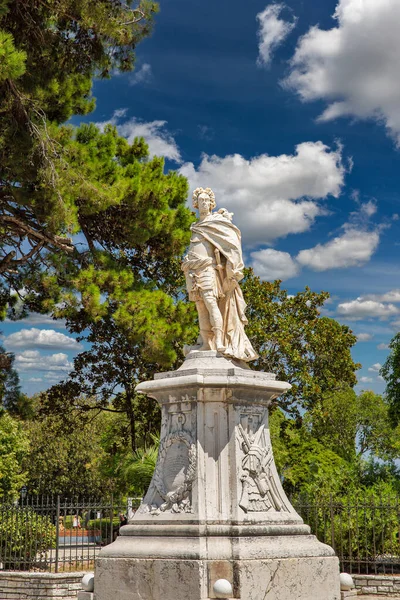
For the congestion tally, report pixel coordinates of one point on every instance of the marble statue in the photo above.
(215, 510)
(213, 268)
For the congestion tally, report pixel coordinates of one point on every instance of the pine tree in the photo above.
(50, 51)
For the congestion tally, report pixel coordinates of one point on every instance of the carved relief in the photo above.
(176, 468)
(259, 489)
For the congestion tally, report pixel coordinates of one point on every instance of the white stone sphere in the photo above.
(222, 588)
(88, 582)
(346, 582)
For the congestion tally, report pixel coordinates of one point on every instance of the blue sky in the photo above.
(292, 116)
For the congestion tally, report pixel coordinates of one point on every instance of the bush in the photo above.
(104, 526)
(23, 536)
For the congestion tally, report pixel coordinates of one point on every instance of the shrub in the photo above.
(24, 535)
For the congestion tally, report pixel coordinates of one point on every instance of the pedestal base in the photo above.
(215, 508)
(301, 578)
(183, 562)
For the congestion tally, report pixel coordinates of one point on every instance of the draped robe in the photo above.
(226, 237)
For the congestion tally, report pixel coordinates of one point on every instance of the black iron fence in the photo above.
(51, 533)
(363, 531)
(57, 534)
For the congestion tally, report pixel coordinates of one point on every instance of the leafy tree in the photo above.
(375, 433)
(57, 181)
(354, 426)
(105, 375)
(334, 421)
(49, 54)
(311, 352)
(9, 380)
(11, 397)
(123, 292)
(64, 456)
(305, 464)
(391, 374)
(344, 442)
(13, 450)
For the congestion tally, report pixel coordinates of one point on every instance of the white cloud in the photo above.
(391, 296)
(38, 319)
(369, 208)
(33, 360)
(363, 309)
(40, 338)
(353, 248)
(354, 66)
(35, 379)
(118, 113)
(381, 378)
(366, 379)
(53, 377)
(160, 141)
(375, 368)
(143, 75)
(272, 196)
(271, 264)
(364, 337)
(383, 346)
(272, 32)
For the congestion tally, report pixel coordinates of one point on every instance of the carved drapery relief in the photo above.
(259, 490)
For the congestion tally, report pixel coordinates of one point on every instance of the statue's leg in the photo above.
(206, 332)
(215, 318)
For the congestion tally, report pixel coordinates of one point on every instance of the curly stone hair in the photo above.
(207, 191)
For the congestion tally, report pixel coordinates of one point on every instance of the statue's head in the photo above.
(203, 197)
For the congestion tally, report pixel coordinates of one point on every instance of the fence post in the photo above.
(57, 529)
(112, 519)
(332, 515)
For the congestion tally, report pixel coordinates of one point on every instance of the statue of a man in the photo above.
(213, 267)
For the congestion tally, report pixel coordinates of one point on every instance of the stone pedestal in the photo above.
(215, 508)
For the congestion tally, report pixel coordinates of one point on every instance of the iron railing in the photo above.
(52, 533)
(364, 532)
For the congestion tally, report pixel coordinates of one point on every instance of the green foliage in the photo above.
(311, 352)
(116, 444)
(361, 524)
(138, 469)
(305, 464)
(334, 421)
(10, 390)
(12, 61)
(107, 527)
(375, 432)
(391, 373)
(122, 293)
(64, 456)
(23, 535)
(13, 450)
(343, 443)
(49, 54)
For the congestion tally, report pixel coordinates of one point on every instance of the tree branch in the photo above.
(64, 244)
